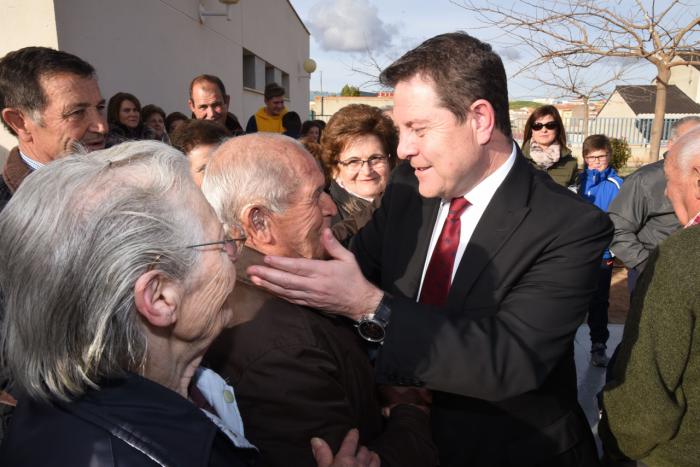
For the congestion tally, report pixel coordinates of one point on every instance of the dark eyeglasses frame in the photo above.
(596, 158)
(549, 125)
(371, 161)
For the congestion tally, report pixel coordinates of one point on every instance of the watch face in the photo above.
(371, 331)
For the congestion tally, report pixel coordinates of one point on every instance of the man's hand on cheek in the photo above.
(335, 286)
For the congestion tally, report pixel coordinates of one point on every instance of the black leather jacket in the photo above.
(128, 422)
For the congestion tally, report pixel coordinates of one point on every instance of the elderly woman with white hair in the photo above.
(115, 274)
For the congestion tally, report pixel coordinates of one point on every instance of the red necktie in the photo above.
(438, 277)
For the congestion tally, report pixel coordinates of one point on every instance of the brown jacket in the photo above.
(13, 174)
(298, 373)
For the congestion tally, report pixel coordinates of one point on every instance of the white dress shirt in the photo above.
(34, 165)
(479, 198)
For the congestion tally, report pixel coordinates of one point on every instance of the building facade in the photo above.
(153, 48)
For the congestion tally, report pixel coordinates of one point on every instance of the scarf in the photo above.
(544, 157)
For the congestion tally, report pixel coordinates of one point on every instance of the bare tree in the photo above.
(370, 67)
(580, 33)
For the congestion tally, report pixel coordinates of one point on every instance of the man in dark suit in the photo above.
(475, 272)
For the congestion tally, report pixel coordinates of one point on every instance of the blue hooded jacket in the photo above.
(600, 188)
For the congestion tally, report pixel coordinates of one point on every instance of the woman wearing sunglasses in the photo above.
(544, 144)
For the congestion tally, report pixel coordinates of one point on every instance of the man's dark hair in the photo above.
(151, 109)
(292, 124)
(273, 90)
(195, 132)
(172, 118)
(463, 68)
(215, 80)
(21, 72)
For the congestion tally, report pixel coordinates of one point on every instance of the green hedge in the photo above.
(620, 153)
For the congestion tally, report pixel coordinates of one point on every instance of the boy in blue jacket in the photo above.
(599, 184)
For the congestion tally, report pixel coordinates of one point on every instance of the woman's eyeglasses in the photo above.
(355, 164)
(549, 125)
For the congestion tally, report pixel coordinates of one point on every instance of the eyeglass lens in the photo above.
(549, 125)
(356, 164)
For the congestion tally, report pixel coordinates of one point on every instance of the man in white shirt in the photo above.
(475, 272)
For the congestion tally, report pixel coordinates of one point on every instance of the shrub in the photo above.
(620, 153)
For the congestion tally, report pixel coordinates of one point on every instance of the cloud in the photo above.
(349, 26)
(510, 53)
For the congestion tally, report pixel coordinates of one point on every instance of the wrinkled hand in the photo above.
(391, 396)
(347, 455)
(335, 285)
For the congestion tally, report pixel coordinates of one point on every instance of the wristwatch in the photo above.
(372, 327)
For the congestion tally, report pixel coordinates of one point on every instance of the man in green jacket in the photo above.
(652, 404)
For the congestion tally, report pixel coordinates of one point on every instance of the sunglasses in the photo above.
(549, 125)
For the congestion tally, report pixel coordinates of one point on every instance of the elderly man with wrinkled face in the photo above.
(298, 373)
(651, 410)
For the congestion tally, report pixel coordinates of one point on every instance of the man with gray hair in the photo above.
(642, 214)
(51, 102)
(298, 373)
(651, 410)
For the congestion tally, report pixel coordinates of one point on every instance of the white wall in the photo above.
(153, 48)
(23, 23)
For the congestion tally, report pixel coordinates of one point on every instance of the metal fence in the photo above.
(636, 131)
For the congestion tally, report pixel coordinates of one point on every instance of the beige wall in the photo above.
(616, 107)
(23, 23)
(687, 78)
(331, 104)
(153, 48)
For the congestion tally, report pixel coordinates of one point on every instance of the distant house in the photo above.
(687, 77)
(637, 101)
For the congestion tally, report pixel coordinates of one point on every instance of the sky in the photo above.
(348, 36)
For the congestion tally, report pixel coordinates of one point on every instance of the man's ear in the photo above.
(190, 104)
(157, 298)
(696, 181)
(16, 120)
(484, 118)
(256, 223)
(227, 99)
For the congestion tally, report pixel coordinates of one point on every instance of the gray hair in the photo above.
(249, 170)
(686, 151)
(679, 123)
(74, 239)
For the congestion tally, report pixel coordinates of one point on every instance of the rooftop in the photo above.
(641, 99)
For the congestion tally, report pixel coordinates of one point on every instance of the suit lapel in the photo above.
(505, 212)
(409, 282)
